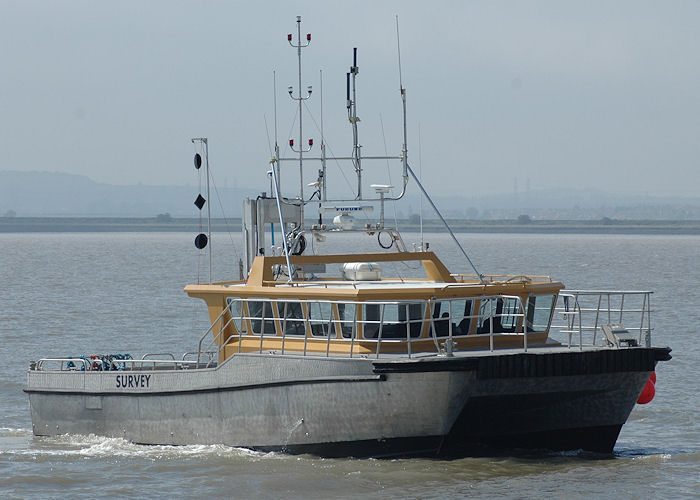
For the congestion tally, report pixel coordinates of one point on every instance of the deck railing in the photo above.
(83, 364)
(581, 318)
(599, 317)
(380, 322)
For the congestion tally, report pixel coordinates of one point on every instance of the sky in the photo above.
(502, 96)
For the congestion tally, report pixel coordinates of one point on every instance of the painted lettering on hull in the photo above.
(133, 381)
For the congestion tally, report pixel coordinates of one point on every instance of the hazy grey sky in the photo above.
(551, 93)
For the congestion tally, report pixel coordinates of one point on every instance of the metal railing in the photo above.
(590, 318)
(497, 278)
(98, 365)
(406, 329)
(65, 364)
(214, 346)
(585, 313)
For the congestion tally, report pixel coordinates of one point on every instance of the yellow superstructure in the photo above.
(335, 315)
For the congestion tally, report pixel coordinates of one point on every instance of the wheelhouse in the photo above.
(341, 316)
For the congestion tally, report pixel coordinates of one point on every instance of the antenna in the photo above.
(420, 173)
(352, 116)
(404, 151)
(276, 159)
(356, 157)
(300, 45)
(323, 144)
(398, 49)
(274, 100)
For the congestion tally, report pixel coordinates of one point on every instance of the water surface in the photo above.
(72, 294)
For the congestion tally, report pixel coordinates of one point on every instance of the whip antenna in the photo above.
(404, 152)
(276, 160)
(274, 100)
(398, 48)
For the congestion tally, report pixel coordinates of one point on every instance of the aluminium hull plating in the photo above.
(548, 399)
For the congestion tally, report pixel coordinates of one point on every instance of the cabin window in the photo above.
(396, 325)
(262, 321)
(539, 312)
(320, 318)
(346, 317)
(499, 315)
(292, 316)
(457, 312)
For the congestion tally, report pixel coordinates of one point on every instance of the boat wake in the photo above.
(651, 454)
(641, 454)
(7, 432)
(91, 446)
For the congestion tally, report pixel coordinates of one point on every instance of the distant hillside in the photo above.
(40, 194)
(60, 194)
(582, 204)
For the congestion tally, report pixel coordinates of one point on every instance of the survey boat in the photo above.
(327, 354)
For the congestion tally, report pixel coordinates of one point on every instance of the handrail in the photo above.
(217, 337)
(591, 310)
(177, 364)
(492, 278)
(571, 316)
(147, 355)
(331, 326)
(584, 314)
(88, 364)
(194, 353)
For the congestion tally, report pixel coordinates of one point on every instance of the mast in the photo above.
(323, 145)
(355, 157)
(352, 116)
(300, 45)
(204, 141)
(290, 211)
(404, 151)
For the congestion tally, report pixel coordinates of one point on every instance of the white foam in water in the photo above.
(13, 439)
(14, 432)
(97, 446)
(75, 445)
(567, 453)
(660, 457)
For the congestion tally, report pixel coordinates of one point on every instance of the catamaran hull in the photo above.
(357, 407)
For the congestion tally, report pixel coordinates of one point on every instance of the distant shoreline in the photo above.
(155, 224)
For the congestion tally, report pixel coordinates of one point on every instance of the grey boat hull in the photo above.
(436, 406)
